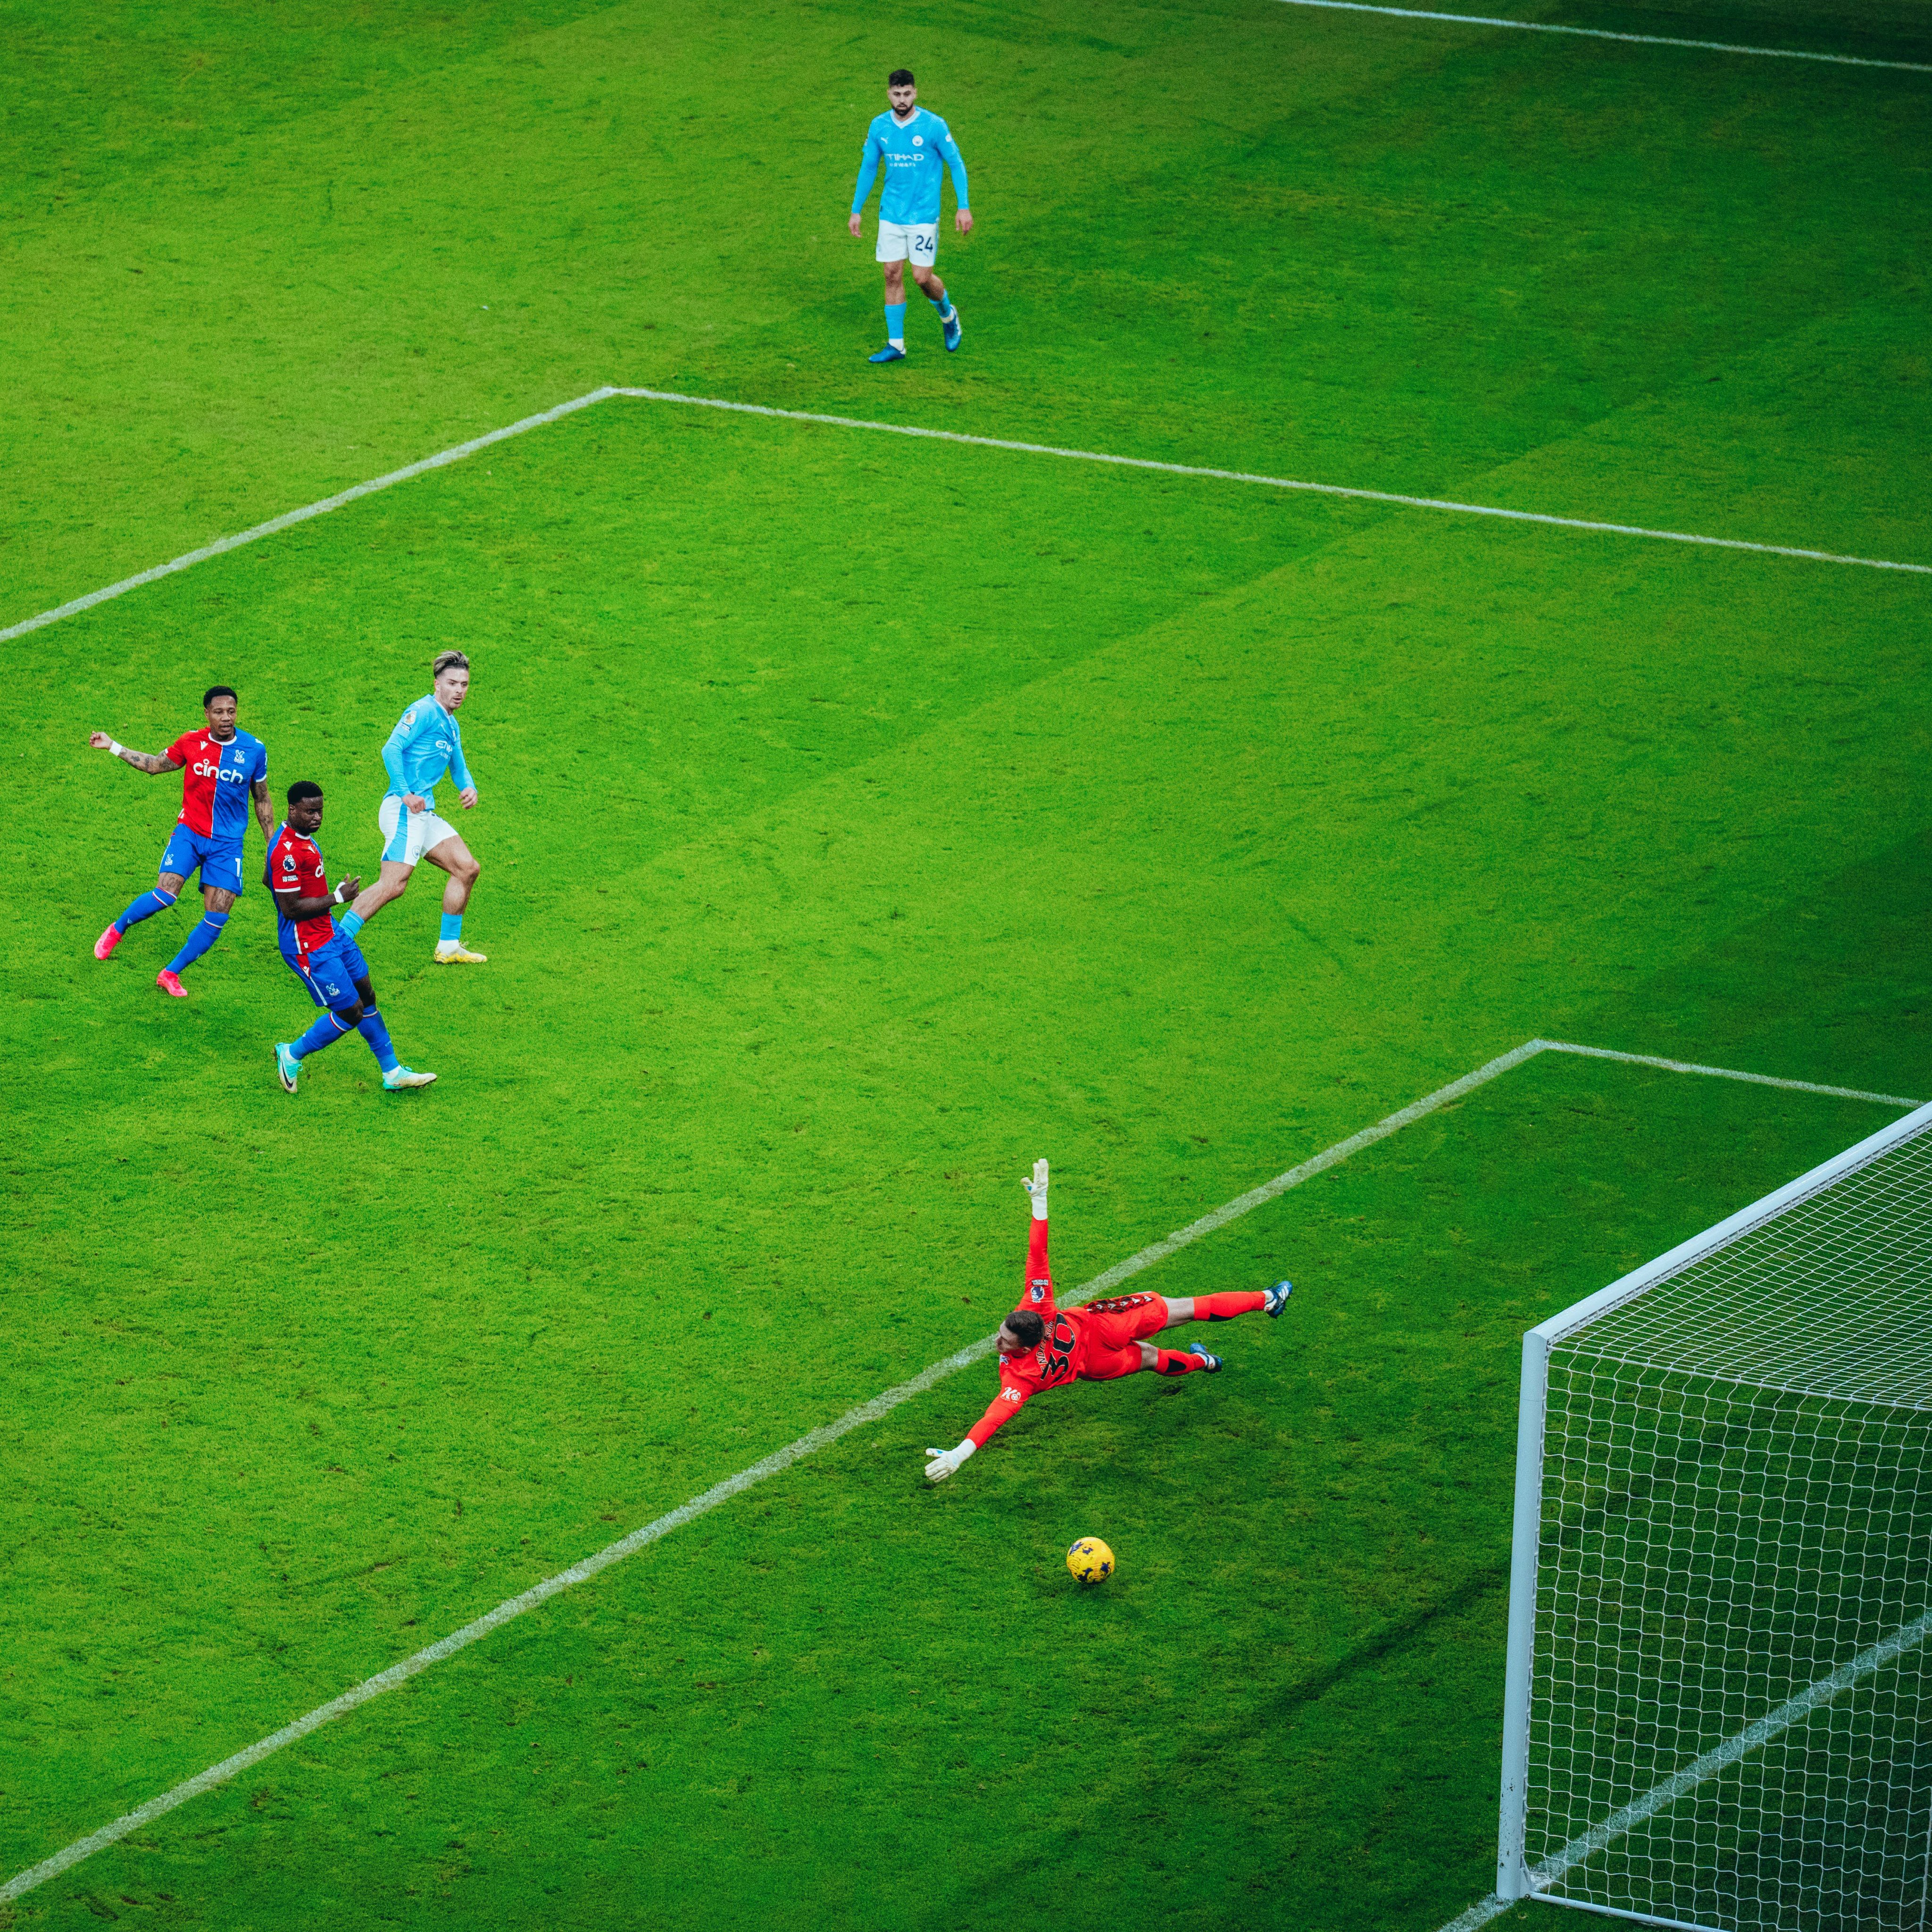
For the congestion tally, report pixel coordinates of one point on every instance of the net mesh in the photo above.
(1730, 1720)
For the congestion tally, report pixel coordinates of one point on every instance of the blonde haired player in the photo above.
(1042, 1346)
(425, 745)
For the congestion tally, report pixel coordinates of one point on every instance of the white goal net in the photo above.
(1719, 1709)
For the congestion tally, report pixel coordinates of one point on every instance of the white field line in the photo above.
(1480, 1913)
(461, 450)
(1602, 33)
(290, 517)
(1812, 1697)
(1277, 482)
(1726, 1073)
(780, 1459)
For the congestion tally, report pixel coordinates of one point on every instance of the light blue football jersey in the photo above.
(915, 154)
(423, 746)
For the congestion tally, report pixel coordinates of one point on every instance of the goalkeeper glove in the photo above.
(945, 1461)
(1036, 1187)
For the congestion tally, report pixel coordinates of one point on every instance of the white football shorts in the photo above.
(918, 245)
(406, 835)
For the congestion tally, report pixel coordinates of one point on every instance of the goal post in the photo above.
(1718, 1687)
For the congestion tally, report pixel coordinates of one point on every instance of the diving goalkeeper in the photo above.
(1041, 1345)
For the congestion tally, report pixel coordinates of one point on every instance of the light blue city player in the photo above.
(423, 746)
(916, 149)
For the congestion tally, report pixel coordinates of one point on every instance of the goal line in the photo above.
(443, 458)
(875, 1410)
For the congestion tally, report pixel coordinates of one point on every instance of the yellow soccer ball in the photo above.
(1091, 1561)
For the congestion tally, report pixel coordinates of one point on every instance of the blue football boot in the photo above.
(888, 354)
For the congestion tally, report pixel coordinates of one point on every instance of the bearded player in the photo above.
(328, 962)
(221, 769)
(1041, 1346)
(916, 150)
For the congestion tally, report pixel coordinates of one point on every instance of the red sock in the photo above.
(1174, 1362)
(1225, 1307)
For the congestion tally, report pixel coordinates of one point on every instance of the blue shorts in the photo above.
(330, 973)
(219, 859)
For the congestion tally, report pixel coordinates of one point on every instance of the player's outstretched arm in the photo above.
(1004, 1406)
(1039, 1275)
(153, 763)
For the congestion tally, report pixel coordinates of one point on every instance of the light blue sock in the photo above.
(326, 1032)
(373, 1030)
(896, 324)
(350, 924)
(452, 928)
(146, 907)
(199, 941)
(943, 303)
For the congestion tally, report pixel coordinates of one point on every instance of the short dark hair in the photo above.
(215, 691)
(304, 788)
(900, 76)
(1027, 1328)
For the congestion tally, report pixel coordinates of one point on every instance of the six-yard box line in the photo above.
(880, 1406)
(444, 457)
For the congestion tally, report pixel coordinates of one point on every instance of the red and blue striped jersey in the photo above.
(216, 776)
(295, 865)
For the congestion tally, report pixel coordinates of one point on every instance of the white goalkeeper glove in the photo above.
(944, 1462)
(1036, 1187)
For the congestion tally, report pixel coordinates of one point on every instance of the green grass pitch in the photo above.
(863, 817)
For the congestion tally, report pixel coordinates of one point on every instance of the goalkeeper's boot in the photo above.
(107, 943)
(460, 955)
(1211, 1363)
(890, 353)
(1275, 1299)
(287, 1066)
(170, 984)
(954, 328)
(398, 1078)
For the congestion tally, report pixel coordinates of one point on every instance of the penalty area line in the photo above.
(289, 519)
(221, 545)
(1279, 482)
(809, 1444)
(1604, 34)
